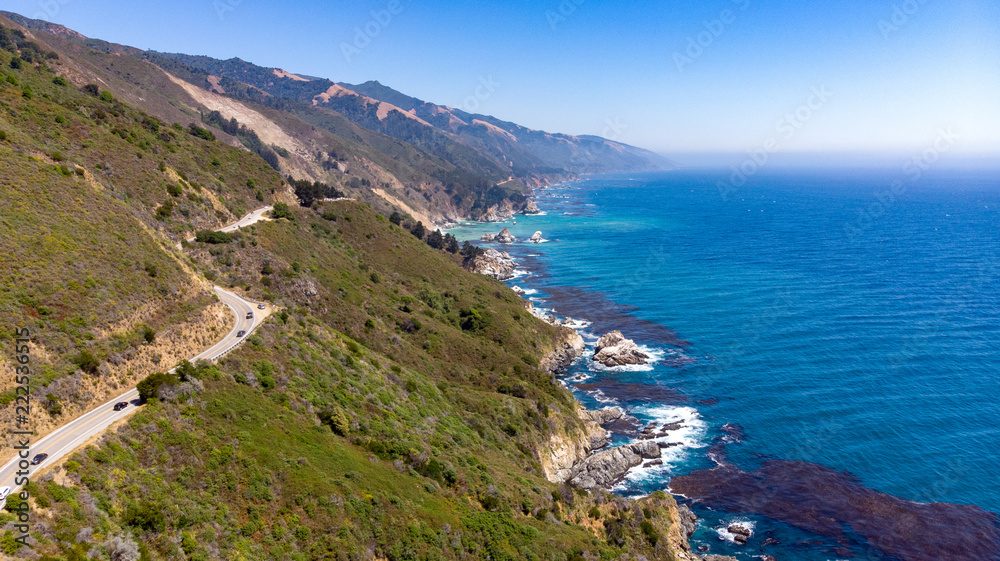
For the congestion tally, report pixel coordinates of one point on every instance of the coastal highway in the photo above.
(250, 218)
(73, 434)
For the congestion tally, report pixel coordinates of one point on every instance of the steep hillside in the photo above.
(93, 202)
(392, 408)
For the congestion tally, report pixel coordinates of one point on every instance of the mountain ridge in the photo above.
(379, 144)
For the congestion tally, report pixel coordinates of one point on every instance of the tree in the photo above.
(281, 210)
(395, 218)
(418, 230)
(185, 371)
(435, 239)
(469, 251)
(451, 243)
(149, 387)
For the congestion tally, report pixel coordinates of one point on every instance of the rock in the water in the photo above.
(536, 237)
(739, 530)
(740, 534)
(607, 467)
(613, 349)
(488, 237)
(504, 236)
(602, 416)
(493, 263)
(530, 208)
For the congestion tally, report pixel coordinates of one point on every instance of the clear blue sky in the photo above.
(589, 67)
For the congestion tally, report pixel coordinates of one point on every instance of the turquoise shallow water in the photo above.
(821, 316)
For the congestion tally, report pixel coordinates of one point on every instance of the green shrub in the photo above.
(145, 516)
(281, 210)
(336, 419)
(60, 81)
(650, 532)
(472, 319)
(212, 237)
(174, 190)
(16, 63)
(106, 96)
(150, 385)
(87, 362)
(200, 132)
(165, 210)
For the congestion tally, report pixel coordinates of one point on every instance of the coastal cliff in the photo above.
(577, 456)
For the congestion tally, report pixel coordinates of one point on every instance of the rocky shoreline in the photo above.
(582, 457)
(584, 461)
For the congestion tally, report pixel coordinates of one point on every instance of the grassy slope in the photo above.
(83, 249)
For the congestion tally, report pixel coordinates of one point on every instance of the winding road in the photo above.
(250, 218)
(67, 438)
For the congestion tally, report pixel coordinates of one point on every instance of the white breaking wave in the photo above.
(689, 436)
(655, 355)
(744, 523)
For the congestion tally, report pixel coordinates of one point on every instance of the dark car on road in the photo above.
(39, 458)
(241, 333)
(121, 405)
(249, 315)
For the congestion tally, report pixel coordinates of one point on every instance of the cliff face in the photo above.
(574, 456)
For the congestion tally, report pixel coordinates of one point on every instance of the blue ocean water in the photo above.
(845, 318)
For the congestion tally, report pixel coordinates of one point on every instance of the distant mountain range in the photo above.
(397, 152)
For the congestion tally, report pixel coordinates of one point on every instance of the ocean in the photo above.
(829, 341)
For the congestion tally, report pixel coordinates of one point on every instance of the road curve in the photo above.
(250, 218)
(71, 435)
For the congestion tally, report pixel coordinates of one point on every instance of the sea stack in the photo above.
(505, 236)
(613, 349)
